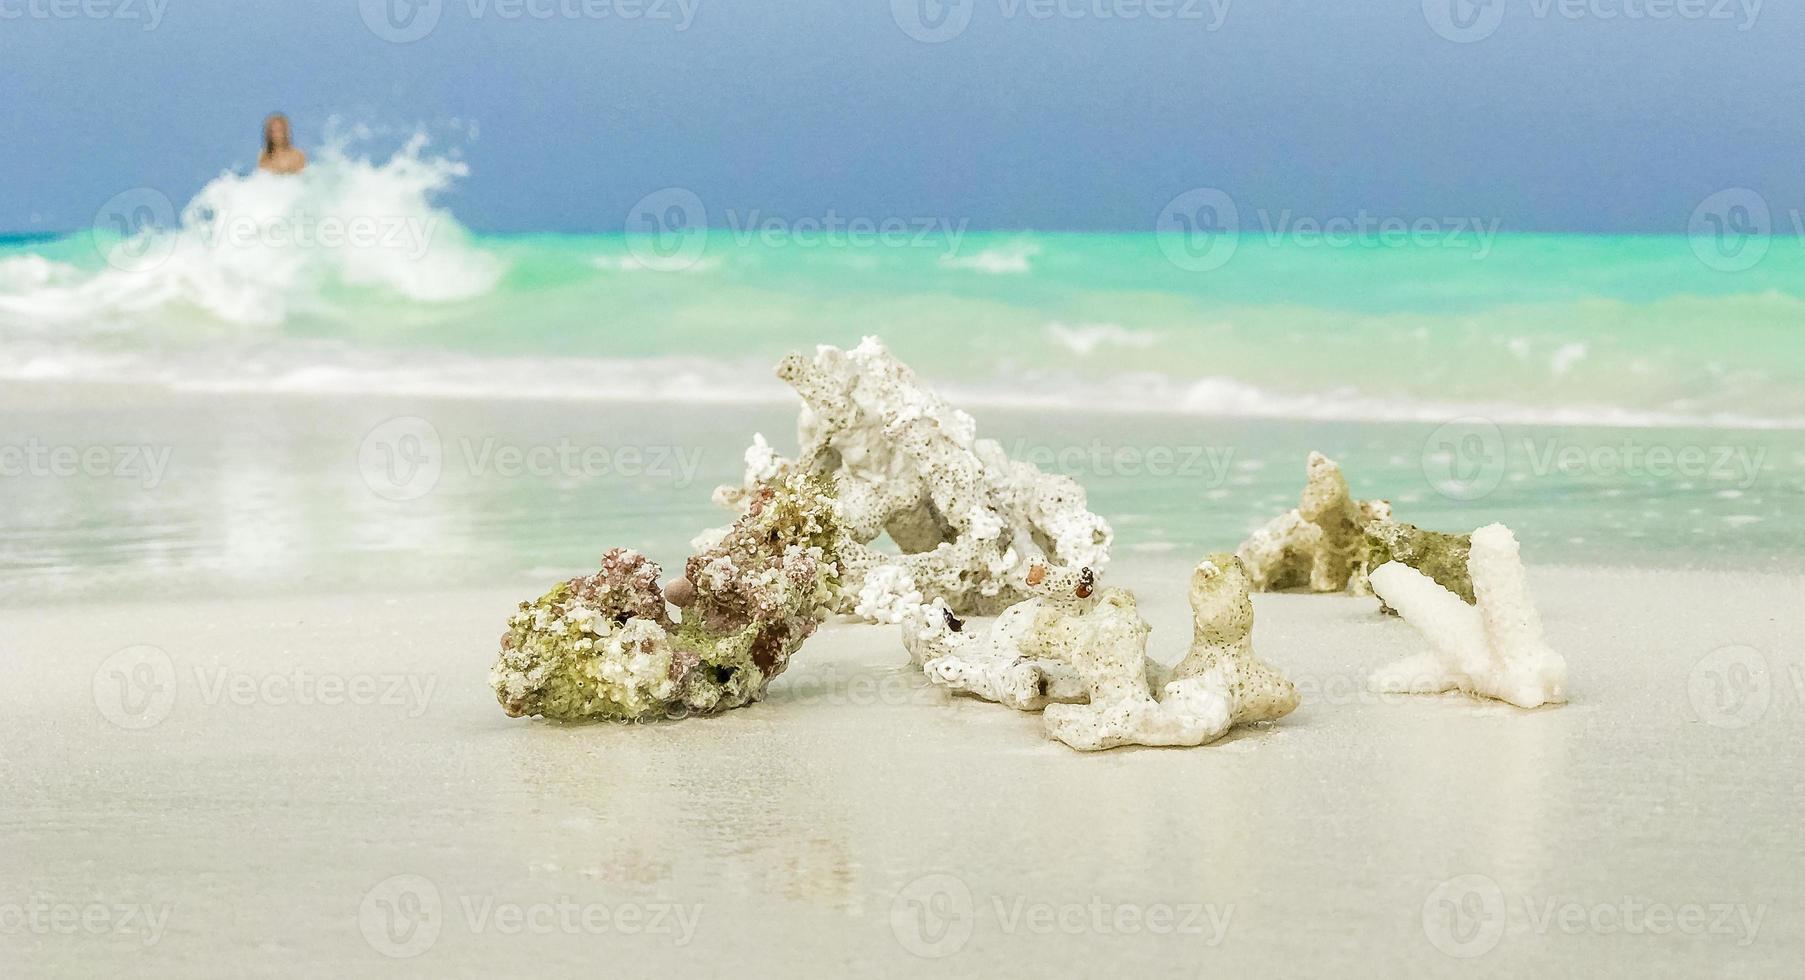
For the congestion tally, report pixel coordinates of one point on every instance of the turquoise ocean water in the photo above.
(1619, 400)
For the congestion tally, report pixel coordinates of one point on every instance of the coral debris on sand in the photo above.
(1330, 542)
(1222, 640)
(604, 646)
(1493, 650)
(969, 521)
(1080, 654)
(1024, 659)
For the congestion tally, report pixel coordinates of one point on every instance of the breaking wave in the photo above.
(253, 250)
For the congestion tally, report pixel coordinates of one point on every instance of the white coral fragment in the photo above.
(1012, 663)
(1082, 658)
(1493, 650)
(888, 595)
(905, 463)
(1222, 641)
(1109, 652)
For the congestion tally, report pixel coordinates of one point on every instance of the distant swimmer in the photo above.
(279, 154)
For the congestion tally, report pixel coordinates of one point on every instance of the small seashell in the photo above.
(679, 592)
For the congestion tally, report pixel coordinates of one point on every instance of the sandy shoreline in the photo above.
(319, 784)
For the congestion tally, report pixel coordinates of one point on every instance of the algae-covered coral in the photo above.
(1437, 554)
(1079, 654)
(969, 521)
(604, 646)
(1330, 542)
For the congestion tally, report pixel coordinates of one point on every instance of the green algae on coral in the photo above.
(1330, 542)
(604, 647)
(1437, 554)
(1318, 544)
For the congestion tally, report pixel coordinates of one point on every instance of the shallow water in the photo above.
(328, 380)
(201, 495)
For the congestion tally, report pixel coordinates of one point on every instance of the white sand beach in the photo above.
(324, 785)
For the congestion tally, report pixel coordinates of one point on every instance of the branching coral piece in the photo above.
(1024, 660)
(1222, 640)
(1109, 650)
(1331, 542)
(904, 462)
(1495, 650)
(604, 647)
(1081, 655)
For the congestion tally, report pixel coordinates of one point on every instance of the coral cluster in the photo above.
(904, 462)
(1080, 654)
(1495, 650)
(981, 534)
(1330, 542)
(604, 646)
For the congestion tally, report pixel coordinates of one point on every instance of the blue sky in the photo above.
(1569, 115)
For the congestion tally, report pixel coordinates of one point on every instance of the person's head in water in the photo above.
(275, 133)
(279, 154)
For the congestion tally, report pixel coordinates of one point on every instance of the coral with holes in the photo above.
(1079, 654)
(1024, 659)
(604, 646)
(1492, 650)
(969, 521)
(1222, 641)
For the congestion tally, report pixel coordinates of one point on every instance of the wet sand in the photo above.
(323, 785)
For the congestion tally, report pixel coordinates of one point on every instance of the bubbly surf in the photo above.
(357, 278)
(255, 250)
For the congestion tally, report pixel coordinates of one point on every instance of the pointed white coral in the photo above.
(1493, 650)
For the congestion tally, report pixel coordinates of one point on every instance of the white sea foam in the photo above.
(632, 263)
(20, 273)
(1565, 357)
(1088, 337)
(314, 369)
(1013, 259)
(250, 249)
